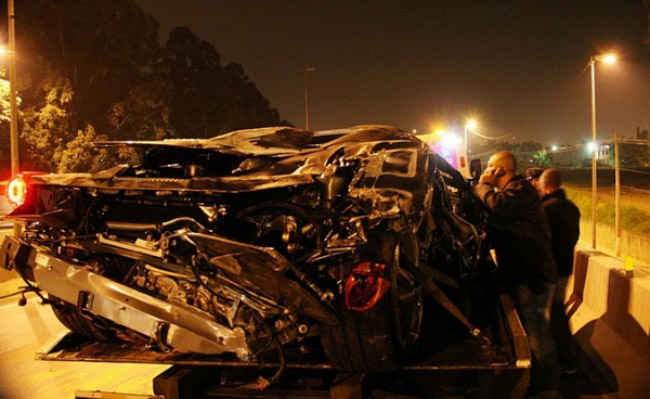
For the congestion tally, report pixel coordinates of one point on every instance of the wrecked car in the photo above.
(253, 241)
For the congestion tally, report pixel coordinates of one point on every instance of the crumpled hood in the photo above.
(264, 158)
(269, 141)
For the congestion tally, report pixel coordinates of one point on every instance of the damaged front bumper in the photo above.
(172, 324)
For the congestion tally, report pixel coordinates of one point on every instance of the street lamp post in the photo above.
(594, 186)
(307, 70)
(13, 128)
(13, 124)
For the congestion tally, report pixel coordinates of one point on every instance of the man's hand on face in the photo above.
(489, 176)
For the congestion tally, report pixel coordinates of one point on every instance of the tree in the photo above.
(97, 67)
(91, 64)
(103, 47)
(208, 99)
(5, 118)
(144, 114)
(46, 129)
(542, 158)
(634, 153)
(79, 155)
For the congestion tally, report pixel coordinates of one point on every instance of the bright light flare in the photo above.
(609, 58)
(450, 140)
(17, 191)
(592, 146)
(554, 148)
(471, 124)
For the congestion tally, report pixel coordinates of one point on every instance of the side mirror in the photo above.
(475, 170)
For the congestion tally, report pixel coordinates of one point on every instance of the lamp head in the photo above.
(606, 58)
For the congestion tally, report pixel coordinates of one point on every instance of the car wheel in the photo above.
(380, 338)
(70, 317)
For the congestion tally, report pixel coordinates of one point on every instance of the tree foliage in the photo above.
(542, 158)
(5, 116)
(633, 154)
(78, 154)
(206, 95)
(95, 69)
(46, 124)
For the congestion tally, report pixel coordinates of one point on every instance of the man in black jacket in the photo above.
(564, 220)
(526, 269)
(533, 175)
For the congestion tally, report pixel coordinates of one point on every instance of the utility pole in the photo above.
(594, 154)
(13, 124)
(617, 194)
(12, 89)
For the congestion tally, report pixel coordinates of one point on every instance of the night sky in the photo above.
(516, 66)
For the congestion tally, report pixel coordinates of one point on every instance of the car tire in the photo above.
(70, 317)
(380, 338)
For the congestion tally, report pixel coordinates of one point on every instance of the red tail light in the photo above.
(365, 286)
(17, 191)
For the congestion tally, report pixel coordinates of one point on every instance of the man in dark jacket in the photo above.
(532, 175)
(526, 269)
(564, 220)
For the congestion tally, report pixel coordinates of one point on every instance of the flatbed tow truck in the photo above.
(467, 368)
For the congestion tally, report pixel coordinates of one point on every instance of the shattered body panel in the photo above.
(253, 241)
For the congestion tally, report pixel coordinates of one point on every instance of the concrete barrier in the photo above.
(609, 312)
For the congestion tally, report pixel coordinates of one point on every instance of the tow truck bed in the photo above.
(464, 366)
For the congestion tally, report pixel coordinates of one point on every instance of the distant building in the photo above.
(604, 154)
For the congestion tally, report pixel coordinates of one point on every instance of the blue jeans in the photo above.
(535, 312)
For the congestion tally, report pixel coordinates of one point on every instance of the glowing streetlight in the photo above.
(554, 148)
(591, 147)
(450, 140)
(608, 59)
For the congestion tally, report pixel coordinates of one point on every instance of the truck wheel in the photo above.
(380, 338)
(70, 317)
